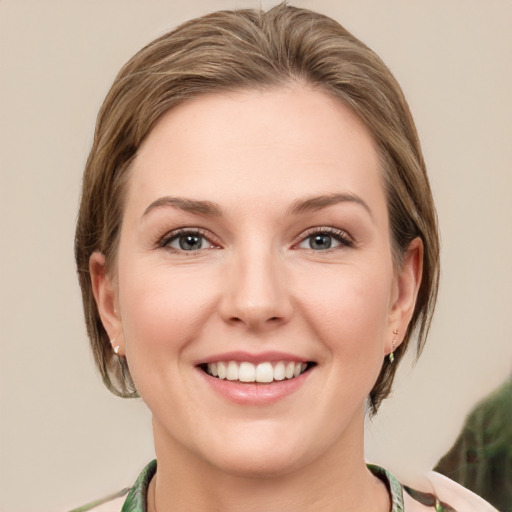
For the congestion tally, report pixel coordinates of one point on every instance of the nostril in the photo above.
(236, 319)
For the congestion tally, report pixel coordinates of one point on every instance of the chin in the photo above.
(258, 453)
(259, 465)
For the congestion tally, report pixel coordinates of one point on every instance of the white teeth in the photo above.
(232, 371)
(279, 371)
(263, 372)
(288, 372)
(247, 372)
(221, 369)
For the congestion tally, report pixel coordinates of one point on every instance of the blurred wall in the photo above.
(64, 440)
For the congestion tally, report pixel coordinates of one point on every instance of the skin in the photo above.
(258, 285)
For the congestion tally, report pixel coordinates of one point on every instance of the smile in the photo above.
(264, 372)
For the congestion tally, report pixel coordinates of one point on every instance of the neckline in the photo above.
(136, 501)
(395, 488)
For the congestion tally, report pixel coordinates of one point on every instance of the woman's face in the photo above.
(255, 246)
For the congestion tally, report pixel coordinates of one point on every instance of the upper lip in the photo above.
(261, 357)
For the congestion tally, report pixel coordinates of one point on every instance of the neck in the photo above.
(337, 480)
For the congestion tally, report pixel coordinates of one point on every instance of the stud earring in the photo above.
(115, 347)
(393, 345)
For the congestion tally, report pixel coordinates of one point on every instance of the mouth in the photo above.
(265, 372)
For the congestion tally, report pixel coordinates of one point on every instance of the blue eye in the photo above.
(321, 241)
(188, 241)
(324, 239)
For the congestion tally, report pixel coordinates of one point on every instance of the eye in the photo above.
(322, 239)
(187, 240)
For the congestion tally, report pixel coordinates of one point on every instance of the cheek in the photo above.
(162, 309)
(349, 307)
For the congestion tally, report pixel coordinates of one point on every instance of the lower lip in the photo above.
(255, 393)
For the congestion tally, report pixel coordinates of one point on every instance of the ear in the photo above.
(405, 293)
(104, 289)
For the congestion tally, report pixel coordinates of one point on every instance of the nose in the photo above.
(256, 293)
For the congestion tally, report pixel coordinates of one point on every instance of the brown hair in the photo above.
(253, 49)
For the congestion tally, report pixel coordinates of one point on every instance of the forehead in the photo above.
(257, 145)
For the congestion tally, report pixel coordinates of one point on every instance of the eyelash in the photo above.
(339, 235)
(177, 233)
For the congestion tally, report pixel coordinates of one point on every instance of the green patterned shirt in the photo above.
(136, 499)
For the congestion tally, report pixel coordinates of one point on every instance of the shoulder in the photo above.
(433, 492)
(459, 498)
(440, 493)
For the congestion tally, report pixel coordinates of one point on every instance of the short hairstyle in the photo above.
(253, 49)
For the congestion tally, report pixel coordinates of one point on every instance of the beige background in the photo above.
(64, 440)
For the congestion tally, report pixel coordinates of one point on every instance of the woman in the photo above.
(256, 246)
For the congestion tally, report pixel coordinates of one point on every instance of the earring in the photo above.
(115, 347)
(393, 345)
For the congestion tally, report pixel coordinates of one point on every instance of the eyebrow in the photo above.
(187, 205)
(299, 206)
(318, 202)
